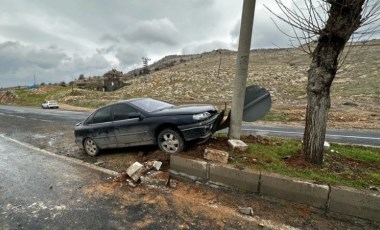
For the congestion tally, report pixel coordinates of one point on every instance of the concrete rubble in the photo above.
(216, 155)
(135, 171)
(246, 211)
(237, 145)
(147, 173)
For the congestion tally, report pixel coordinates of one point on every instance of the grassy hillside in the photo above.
(197, 78)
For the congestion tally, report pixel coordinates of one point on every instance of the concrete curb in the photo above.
(294, 190)
(237, 179)
(188, 168)
(358, 203)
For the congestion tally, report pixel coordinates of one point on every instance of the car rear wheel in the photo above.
(90, 147)
(170, 141)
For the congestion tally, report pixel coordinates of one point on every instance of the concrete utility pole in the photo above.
(242, 68)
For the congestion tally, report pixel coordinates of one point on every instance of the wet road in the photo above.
(46, 115)
(357, 137)
(39, 191)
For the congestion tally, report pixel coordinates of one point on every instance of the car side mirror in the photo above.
(136, 115)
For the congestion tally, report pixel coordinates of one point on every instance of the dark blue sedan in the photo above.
(145, 121)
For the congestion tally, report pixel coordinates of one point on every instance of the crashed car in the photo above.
(146, 121)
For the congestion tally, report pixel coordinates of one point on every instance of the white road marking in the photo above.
(301, 133)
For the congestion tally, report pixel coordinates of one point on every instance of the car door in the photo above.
(102, 129)
(130, 128)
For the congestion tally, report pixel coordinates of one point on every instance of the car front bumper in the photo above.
(200, 130)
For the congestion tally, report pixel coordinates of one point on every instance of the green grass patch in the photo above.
(35, 97)
(276, 116)
(370, 155)
(357, 167)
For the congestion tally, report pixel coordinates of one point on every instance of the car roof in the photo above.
(124, 101)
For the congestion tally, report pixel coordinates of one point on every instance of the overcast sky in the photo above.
(59, 40)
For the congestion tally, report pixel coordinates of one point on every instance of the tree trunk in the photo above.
(344, 19)
(318, 104)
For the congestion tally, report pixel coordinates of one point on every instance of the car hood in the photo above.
(185, 110)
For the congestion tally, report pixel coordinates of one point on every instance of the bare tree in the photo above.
(323, 29)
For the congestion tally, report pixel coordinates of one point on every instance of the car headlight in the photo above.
(201, 116)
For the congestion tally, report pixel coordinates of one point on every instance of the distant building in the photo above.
(112, 80)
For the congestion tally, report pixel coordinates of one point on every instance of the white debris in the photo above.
(246, 211)
(326, 146)
(157, 165)
(135, 171)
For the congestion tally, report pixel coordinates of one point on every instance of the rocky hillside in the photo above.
(198, 79)
(282, 71)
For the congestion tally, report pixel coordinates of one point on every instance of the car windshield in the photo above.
(151, 105)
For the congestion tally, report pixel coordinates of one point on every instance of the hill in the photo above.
(197, 79)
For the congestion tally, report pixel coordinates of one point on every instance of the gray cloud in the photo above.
(19, 62)
(153, 31)
(130, 55)
(14, 56)
(58, 40)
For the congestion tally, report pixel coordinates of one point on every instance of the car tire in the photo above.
(90, 147)
(170, 141)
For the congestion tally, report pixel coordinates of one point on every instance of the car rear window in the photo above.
(151, 105)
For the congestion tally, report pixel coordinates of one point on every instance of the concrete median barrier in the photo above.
(294, 190)
(348, 201)
(234, 178)
(359, 203)
(188, 168)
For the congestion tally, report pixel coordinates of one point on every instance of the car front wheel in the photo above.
(170, 141)
(90, 147)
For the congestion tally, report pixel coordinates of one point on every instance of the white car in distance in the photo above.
(50, 105)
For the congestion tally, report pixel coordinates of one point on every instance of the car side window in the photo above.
(121, 111)
(102, 115)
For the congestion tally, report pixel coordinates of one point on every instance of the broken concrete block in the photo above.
(216, 155)
(135, 171)
(237, 145)
(246, 211)
(157, 165)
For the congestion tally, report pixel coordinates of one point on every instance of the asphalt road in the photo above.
(358, 137)
(39, 191)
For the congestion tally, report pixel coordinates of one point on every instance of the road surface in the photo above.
(39, 191)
